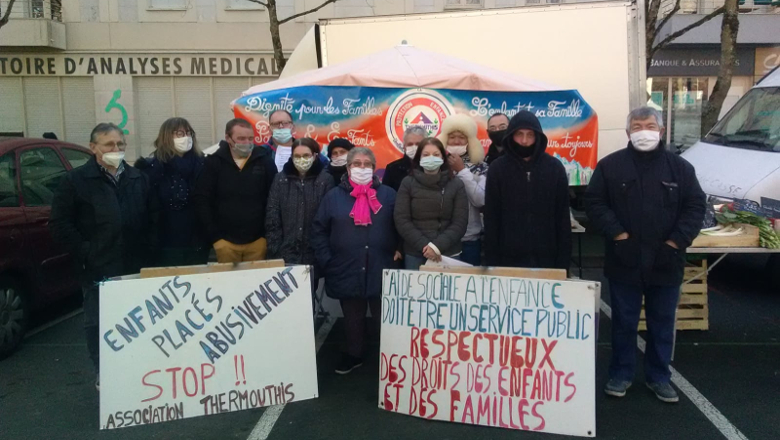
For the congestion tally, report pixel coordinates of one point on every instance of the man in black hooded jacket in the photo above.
(526, 209)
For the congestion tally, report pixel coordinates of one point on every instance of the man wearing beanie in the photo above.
(337, 153)
(526, 211)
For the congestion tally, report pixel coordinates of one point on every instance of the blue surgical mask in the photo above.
(282, 135)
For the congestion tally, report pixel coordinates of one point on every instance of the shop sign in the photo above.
(767, 58)
(80, 64)
(697, 62)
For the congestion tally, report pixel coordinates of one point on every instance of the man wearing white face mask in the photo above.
(231, 195)
(280, 144)
(648, 204)
(396, 171)
(103, 215)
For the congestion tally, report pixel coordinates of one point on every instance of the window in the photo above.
(9, 194)
(242, 5)
(463, 4)
(754, 123)
(168, 5)
(41, 170)
(687, 99)
(41, 102)
(75, 158)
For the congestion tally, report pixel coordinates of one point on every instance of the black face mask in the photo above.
(497, 138)
(523, 152)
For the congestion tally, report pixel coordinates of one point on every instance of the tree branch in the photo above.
(4, 20)
(263, 4)
(665, 42)
(666, 19)
(301, 14)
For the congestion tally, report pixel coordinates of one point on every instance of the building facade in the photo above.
(67, 64)
(682, 76)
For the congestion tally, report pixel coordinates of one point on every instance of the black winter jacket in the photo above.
(396, 172)
(654, 197)
(432, 208)
(231, 201)
(337, 172)
(292, 204)
(352, 258)
(526, 214)
(173, 183)
(111, 230)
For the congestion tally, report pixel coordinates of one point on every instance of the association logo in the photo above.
(419, 107)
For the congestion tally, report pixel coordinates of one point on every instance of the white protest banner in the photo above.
(194, 345)
(486, 350)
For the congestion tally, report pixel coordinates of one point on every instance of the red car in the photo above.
(34, 272)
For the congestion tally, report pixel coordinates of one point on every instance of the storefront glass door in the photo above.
(688, 97)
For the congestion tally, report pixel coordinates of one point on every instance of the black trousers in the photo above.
(355, 322)
(92, 322)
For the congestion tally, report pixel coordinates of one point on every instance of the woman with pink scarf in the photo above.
(354, 240)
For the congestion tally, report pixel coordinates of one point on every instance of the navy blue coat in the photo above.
(351, 257)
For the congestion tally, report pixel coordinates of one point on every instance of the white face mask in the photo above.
(411, 151)
(182, 144)
(113, 160)
(339, 161)
(457, 150)
(303, 164)
(361, 176)
(645, 140)
(431, 163)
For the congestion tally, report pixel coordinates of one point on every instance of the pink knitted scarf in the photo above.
(365, 199)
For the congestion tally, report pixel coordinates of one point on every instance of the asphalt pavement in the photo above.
(47, 388)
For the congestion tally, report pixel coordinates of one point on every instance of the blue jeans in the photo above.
(472, 252)
(660, 308)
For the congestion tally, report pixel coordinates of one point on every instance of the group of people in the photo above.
(444, 198)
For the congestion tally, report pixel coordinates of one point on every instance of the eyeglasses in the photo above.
(359, 164)
(281, 124)
(181, 133)
(498, 128)
(120, 145)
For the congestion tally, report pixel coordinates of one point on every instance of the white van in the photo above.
(740, 157)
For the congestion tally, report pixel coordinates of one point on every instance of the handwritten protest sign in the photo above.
(505, 352)
(194, 345)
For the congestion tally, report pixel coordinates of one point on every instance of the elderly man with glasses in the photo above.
(104, 216)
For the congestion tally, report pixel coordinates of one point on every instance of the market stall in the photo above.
(741, 227)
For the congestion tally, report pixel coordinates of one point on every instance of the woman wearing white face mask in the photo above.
(354, 239)
(173, 169)
(466, 158)
(431, 212)
(295, 195)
